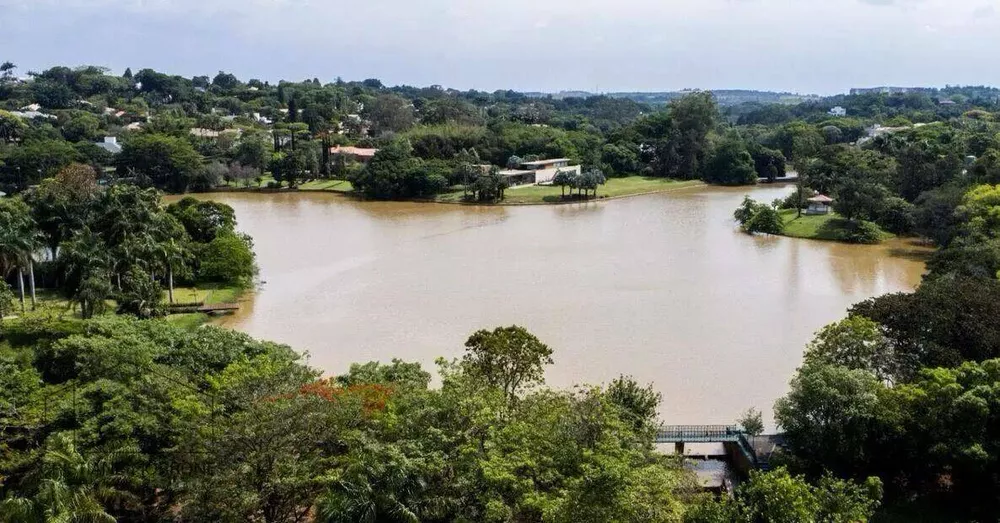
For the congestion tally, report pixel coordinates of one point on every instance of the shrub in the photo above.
(897, 216)
(229, 259)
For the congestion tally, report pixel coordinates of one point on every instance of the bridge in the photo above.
(733, 438)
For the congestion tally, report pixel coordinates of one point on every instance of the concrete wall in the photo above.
(546, 175)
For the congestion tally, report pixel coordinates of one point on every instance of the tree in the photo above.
(203, 220)
(140, 295)
(61, 205)
(508, 358)
(752, 422)
(6, 300)
(564, 178)
(229, 258)
(18, 240)
(769, 163)
(730, 163)
(81, 127)
(832, 418)
(855, 342)
(490, 185)
(636, 403)
(755, 217)
(69, 488)
(897, 216)
(11, 127)
(169, 162)
(252, 151)
(390, 113)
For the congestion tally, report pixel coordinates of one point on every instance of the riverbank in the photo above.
(52, 304)
(208, 295)
(825, 227)
(524, 195)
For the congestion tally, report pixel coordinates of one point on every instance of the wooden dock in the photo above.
(219, 307)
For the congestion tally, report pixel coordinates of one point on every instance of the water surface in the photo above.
(662, 287)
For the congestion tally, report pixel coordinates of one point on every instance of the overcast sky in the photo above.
(807, 46)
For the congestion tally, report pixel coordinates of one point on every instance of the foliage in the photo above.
(778, 496)
(229, 258)
(752, 422)
(167, 161)
(755, 217)
(730, 163)
(855, 342)
(508, 358)
(636, 403)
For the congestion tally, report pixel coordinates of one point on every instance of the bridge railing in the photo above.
(697, 433)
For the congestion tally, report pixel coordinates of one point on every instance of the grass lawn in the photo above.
(209, 294)
(327, 185)
(552, 194)
(829, 227)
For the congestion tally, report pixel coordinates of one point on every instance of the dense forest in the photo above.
(894, 414)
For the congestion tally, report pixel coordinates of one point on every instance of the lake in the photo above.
(661, 287)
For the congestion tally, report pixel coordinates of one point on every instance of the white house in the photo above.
(110, 144)
(545, 170)
(838, 111)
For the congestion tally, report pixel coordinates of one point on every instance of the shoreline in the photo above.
(676, 186)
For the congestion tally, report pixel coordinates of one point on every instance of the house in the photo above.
(204, 133)
(545, 170)
(819, 204)
(946, 101)
(358, 154)
(517, 177)
(838, 111)
(32, 108)
(134, 126)
(31, 115)
(110, 144)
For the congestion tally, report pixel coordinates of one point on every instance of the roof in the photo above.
(820, 198)
(356, 151)
(112, 148)
(204, 133)
(545, 162)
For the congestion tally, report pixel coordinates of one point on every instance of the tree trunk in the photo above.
(170, 284)
(20, 286)
(31, 276)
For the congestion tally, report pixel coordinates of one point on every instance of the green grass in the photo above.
(209, 294)
(327, 185)
(615, 187)
(828, 227)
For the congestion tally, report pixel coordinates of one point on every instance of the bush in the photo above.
(897, 216)
(857, 232)
(792, 200)
(229, 259)
(756, 217)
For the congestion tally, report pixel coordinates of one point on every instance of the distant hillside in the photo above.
(725, 97)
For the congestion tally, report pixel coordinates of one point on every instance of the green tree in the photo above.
(169, 162)
(203, 220)
(855, 342)
(61, 205)
(636, 403)
(229, 258)
(11, 127)
(752, 422)
(508, 358)
(69, 487)
(730, 163)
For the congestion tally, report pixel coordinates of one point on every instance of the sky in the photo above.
(804, 46)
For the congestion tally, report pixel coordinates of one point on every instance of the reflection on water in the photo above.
(662, 287)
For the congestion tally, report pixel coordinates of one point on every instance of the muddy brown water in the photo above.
(661, 287)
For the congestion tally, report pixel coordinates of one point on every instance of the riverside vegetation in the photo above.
(126, 417)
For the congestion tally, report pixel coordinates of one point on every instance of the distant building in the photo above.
(32, 108)
(945, 101)
(536, 172)
(819, 204)
(838, 111)
(110, 144)
(204, 133)
(545, 170)
(358, 154)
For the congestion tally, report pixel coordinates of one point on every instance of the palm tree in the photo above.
(18, 241)
(68, 488)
